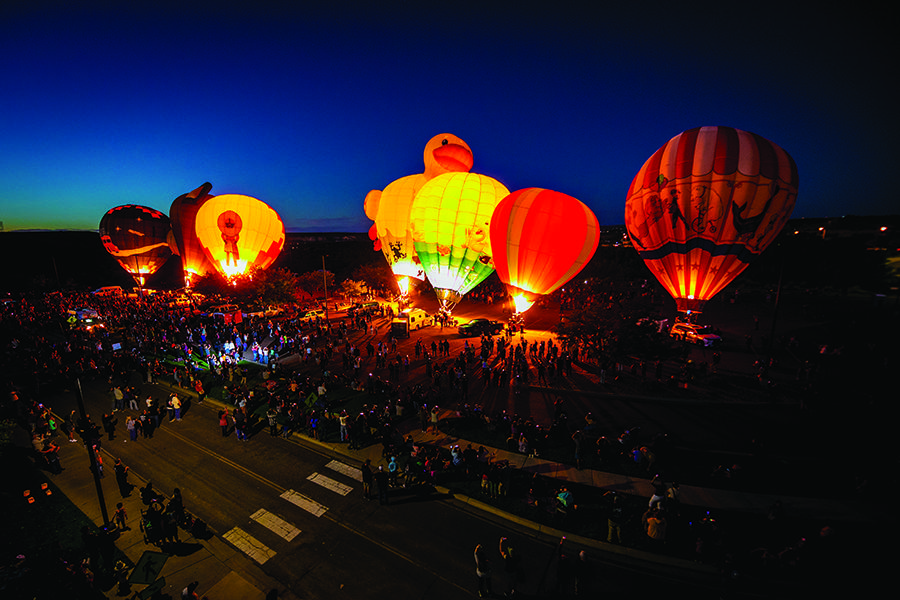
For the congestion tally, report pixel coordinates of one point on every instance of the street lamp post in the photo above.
(91, 452)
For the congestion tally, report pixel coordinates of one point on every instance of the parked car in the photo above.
(480, 327)
(311, 315)
(109, 290)
(696, 334)
(230, 313)
(264, 311)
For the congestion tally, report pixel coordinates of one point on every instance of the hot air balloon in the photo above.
(390, 208)
(450, 224)
(138, 237)
(541, 239)
(704, 205)
(239, 232)
(183, 214)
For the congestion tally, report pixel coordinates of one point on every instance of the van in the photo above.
(110, 290)
(417, 318)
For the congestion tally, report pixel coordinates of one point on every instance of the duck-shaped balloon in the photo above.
(444, 153)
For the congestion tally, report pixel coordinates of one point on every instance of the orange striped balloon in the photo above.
(541, 239)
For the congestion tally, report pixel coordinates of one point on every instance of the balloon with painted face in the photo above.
(706, 204)
(138, 237)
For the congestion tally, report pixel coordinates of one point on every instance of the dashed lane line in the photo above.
(310, 506)
(330, 484)
(307, 504)
(345, 469)
(249, 545)
(275, 523)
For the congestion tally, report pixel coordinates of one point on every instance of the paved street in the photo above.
(289, 515)
(297, 519)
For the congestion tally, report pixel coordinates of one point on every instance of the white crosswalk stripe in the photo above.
(330, 484)
(343, 469)
(307, 504)
(275, 523)
(249, 545)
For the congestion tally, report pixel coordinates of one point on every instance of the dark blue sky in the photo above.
(309, 109)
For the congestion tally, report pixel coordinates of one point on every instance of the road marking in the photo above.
(249, 545)
(330, 484)
(275, 523)
(307, 504)
(343, 469)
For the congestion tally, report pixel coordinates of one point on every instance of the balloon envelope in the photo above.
(138, 237)
(541, 239)
(450, 225)
(183, 214)
(238, 232)
(704, 205)
(390, 209)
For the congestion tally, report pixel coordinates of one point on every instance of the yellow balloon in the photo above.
(238, 232)
(444, 153)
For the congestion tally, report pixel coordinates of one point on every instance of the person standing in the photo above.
(272, 417)
(176, 405)
(382, 481)
(615, 522)
(483, 572)
(176, 506)
(342, 419)
(578, 439)
(118, 398)
(582, 570)
(109, 424)
(367, 479)
(121, 517)
(393, 471)
(510, 566)
(239, 424)
(201, 393)
(72, 425)
(121, 471)
(435, 417)
(133, 400)
(223, 422)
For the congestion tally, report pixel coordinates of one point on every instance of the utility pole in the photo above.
(325, 285)
(92, 453)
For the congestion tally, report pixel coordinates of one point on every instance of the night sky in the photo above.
(308, 109)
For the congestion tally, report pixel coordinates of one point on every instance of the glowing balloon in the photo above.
(138, 237)
(541, 239)
(450, 225)
(238, 232)
(183, 214)
(704, 205)
(444, 153)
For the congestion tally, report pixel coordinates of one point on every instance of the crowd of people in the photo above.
(198, 354)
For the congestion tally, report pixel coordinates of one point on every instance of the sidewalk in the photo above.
(222, 572)
(225, 573)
